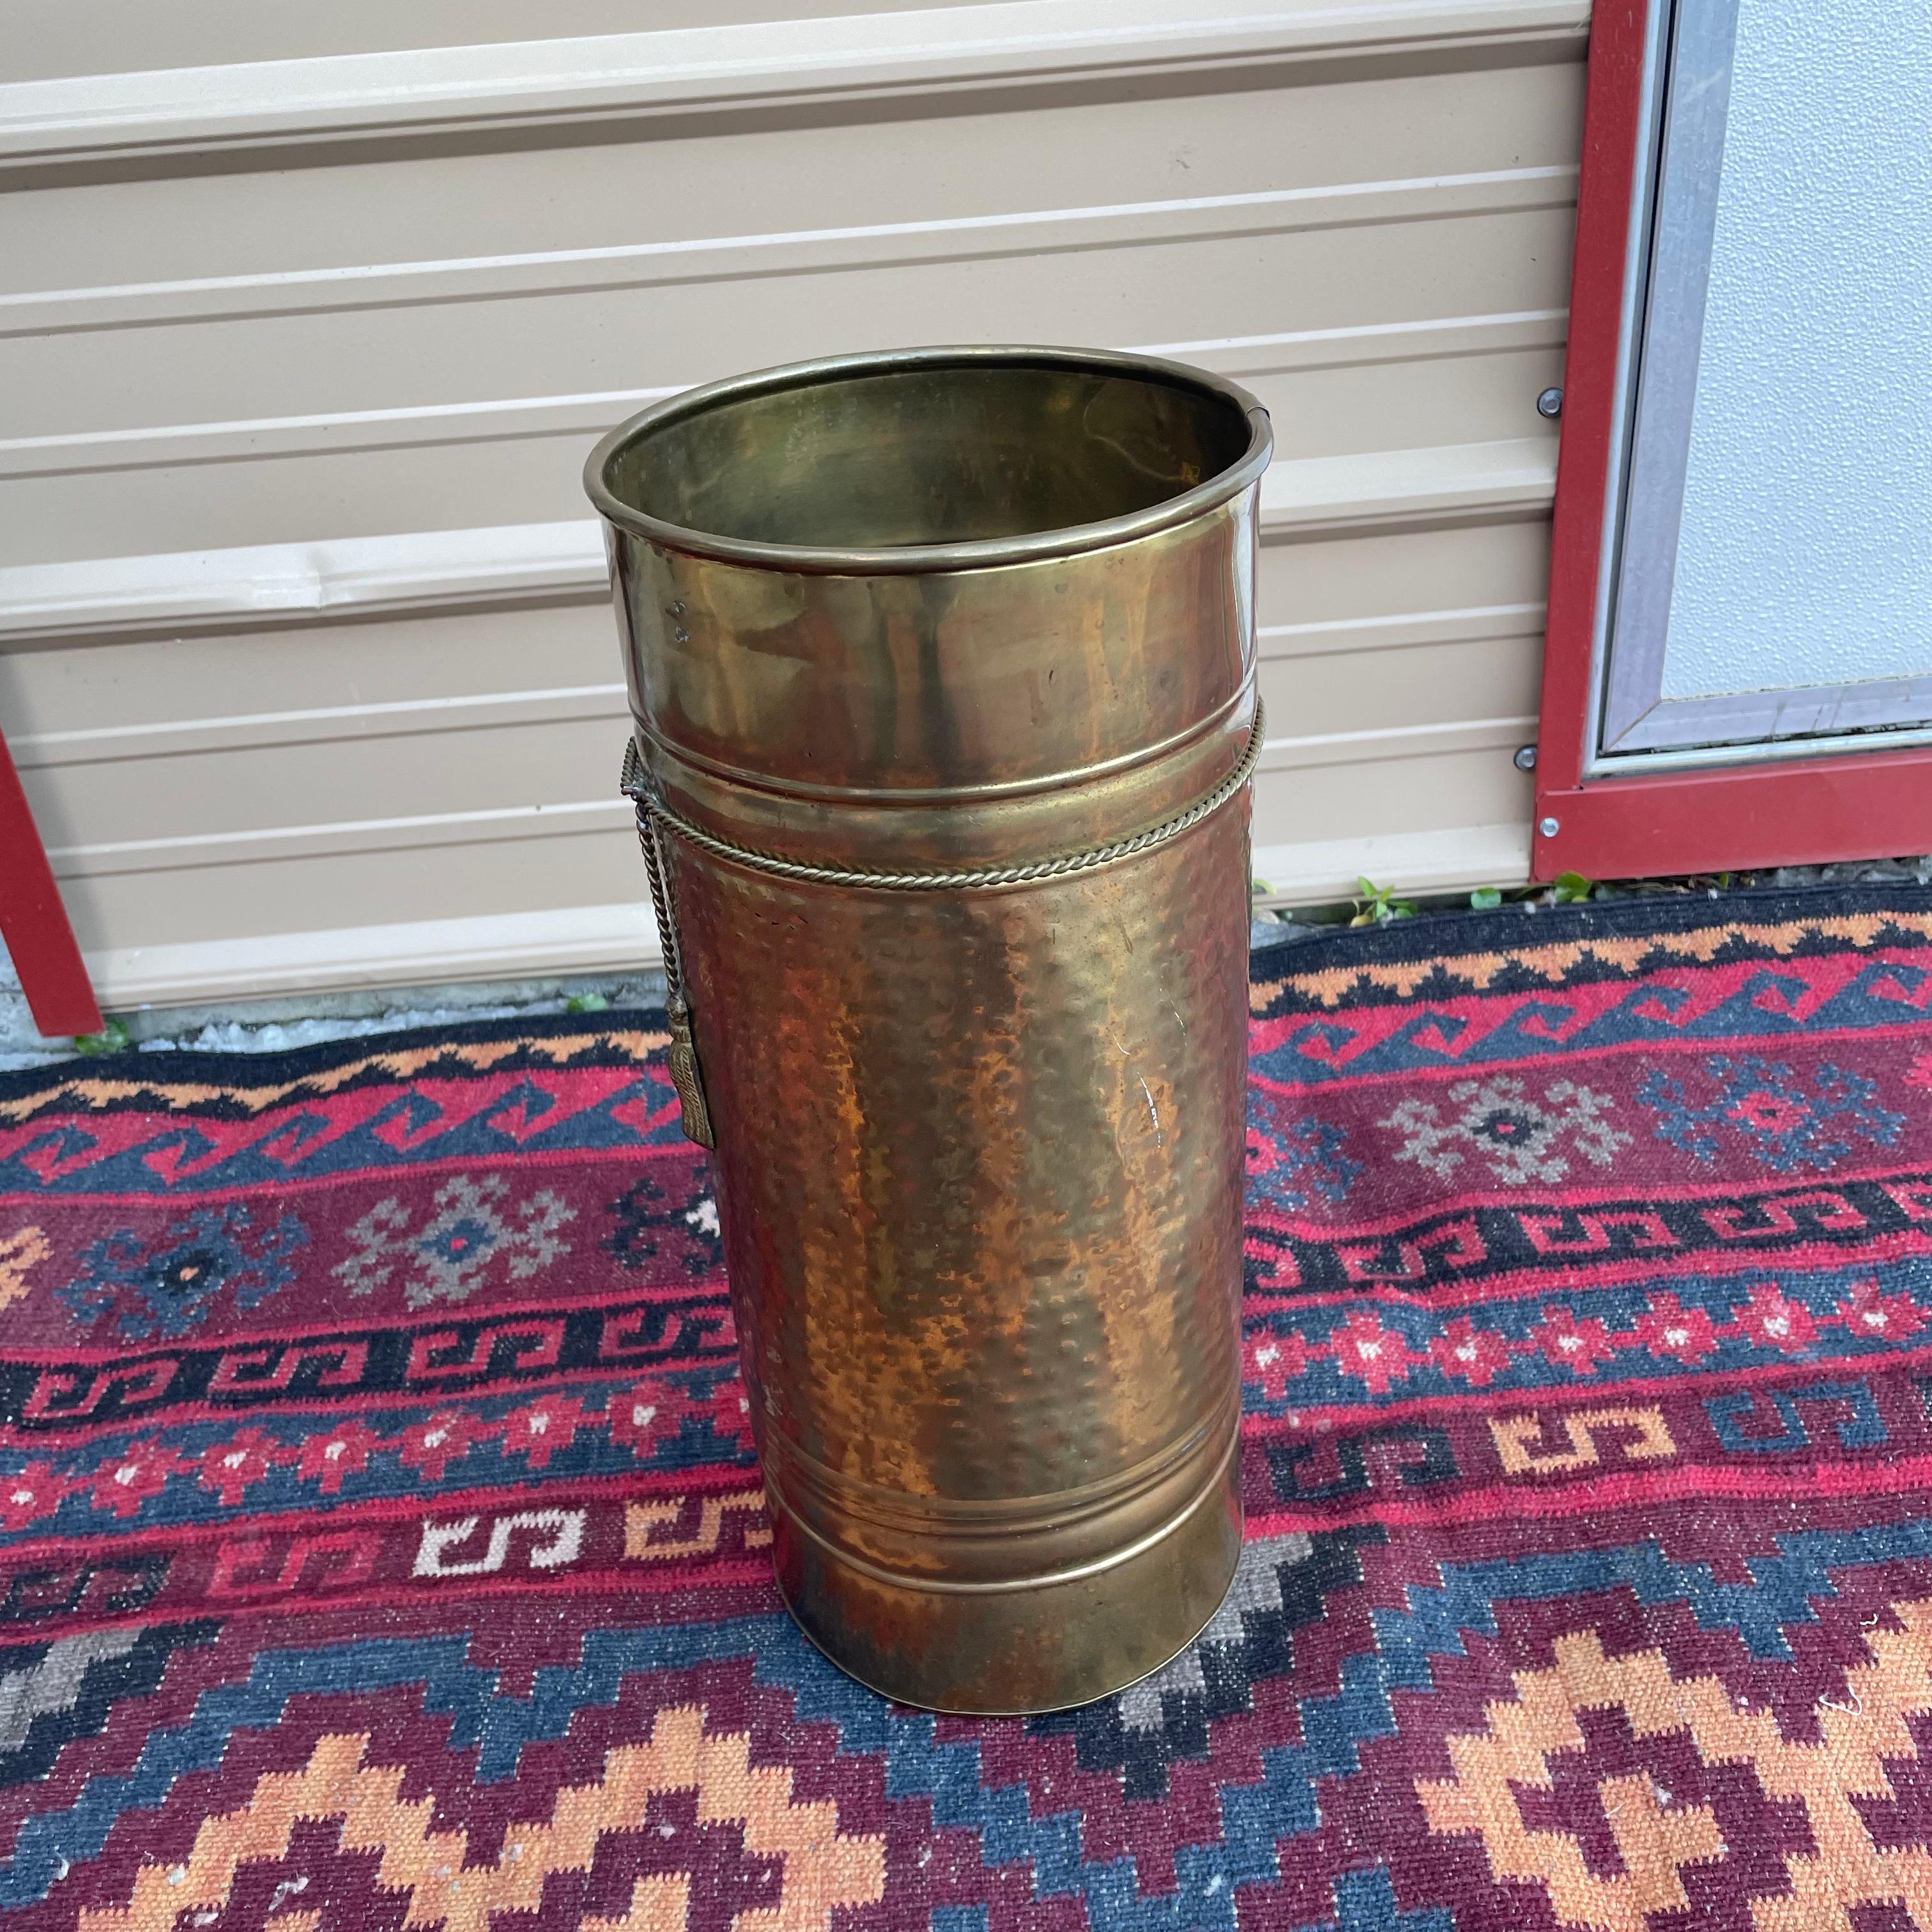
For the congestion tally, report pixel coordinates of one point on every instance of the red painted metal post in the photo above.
(34, 921)
(1613, 110)
(1803, 812)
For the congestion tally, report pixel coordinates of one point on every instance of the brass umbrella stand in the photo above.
(941, 666)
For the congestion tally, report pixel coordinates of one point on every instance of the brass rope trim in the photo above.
(972, 879)
(681, 1056)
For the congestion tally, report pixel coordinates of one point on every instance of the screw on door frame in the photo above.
(1550, 827)
(1525, 760)
(1550, 403)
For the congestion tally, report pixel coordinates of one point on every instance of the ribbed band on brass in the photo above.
(1090, 1529)
(976, 878)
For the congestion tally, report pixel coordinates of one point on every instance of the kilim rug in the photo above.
(382, 1548)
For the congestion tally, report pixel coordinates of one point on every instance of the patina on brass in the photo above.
(941, 664)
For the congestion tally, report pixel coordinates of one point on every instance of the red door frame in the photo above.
(1730, 818)
(34, 921)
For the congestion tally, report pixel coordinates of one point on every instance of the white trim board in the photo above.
(502, 946)
(1321, 872)
(427, 570)
(763, 65)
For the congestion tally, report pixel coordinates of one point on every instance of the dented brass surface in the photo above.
(978, 1151)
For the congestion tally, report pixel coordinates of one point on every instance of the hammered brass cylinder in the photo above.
(979, 1145)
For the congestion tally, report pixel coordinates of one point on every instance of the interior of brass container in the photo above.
(933, 453)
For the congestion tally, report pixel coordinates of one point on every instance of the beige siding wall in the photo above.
(303, 646)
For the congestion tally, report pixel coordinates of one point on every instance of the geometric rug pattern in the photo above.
(381, 1546)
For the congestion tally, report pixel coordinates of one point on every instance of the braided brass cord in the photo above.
(975, 879)
(686, 1076)
(660, 903)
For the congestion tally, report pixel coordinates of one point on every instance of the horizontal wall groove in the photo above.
(1405, 741)
(713, 260)
(170, 115)
(258, 844)
(434, 425)
(1398, 631)
(1328, 497)
(1424, 339)
(97, 859)
(320, 725)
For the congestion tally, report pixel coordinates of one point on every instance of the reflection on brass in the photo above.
(941, 665)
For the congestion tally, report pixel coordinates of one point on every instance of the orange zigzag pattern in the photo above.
(1554, 962)
(102, 1090)
(21, 1252)
(822, 1868)
(1658, 1839)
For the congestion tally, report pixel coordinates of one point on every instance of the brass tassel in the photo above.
(684, 1074)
